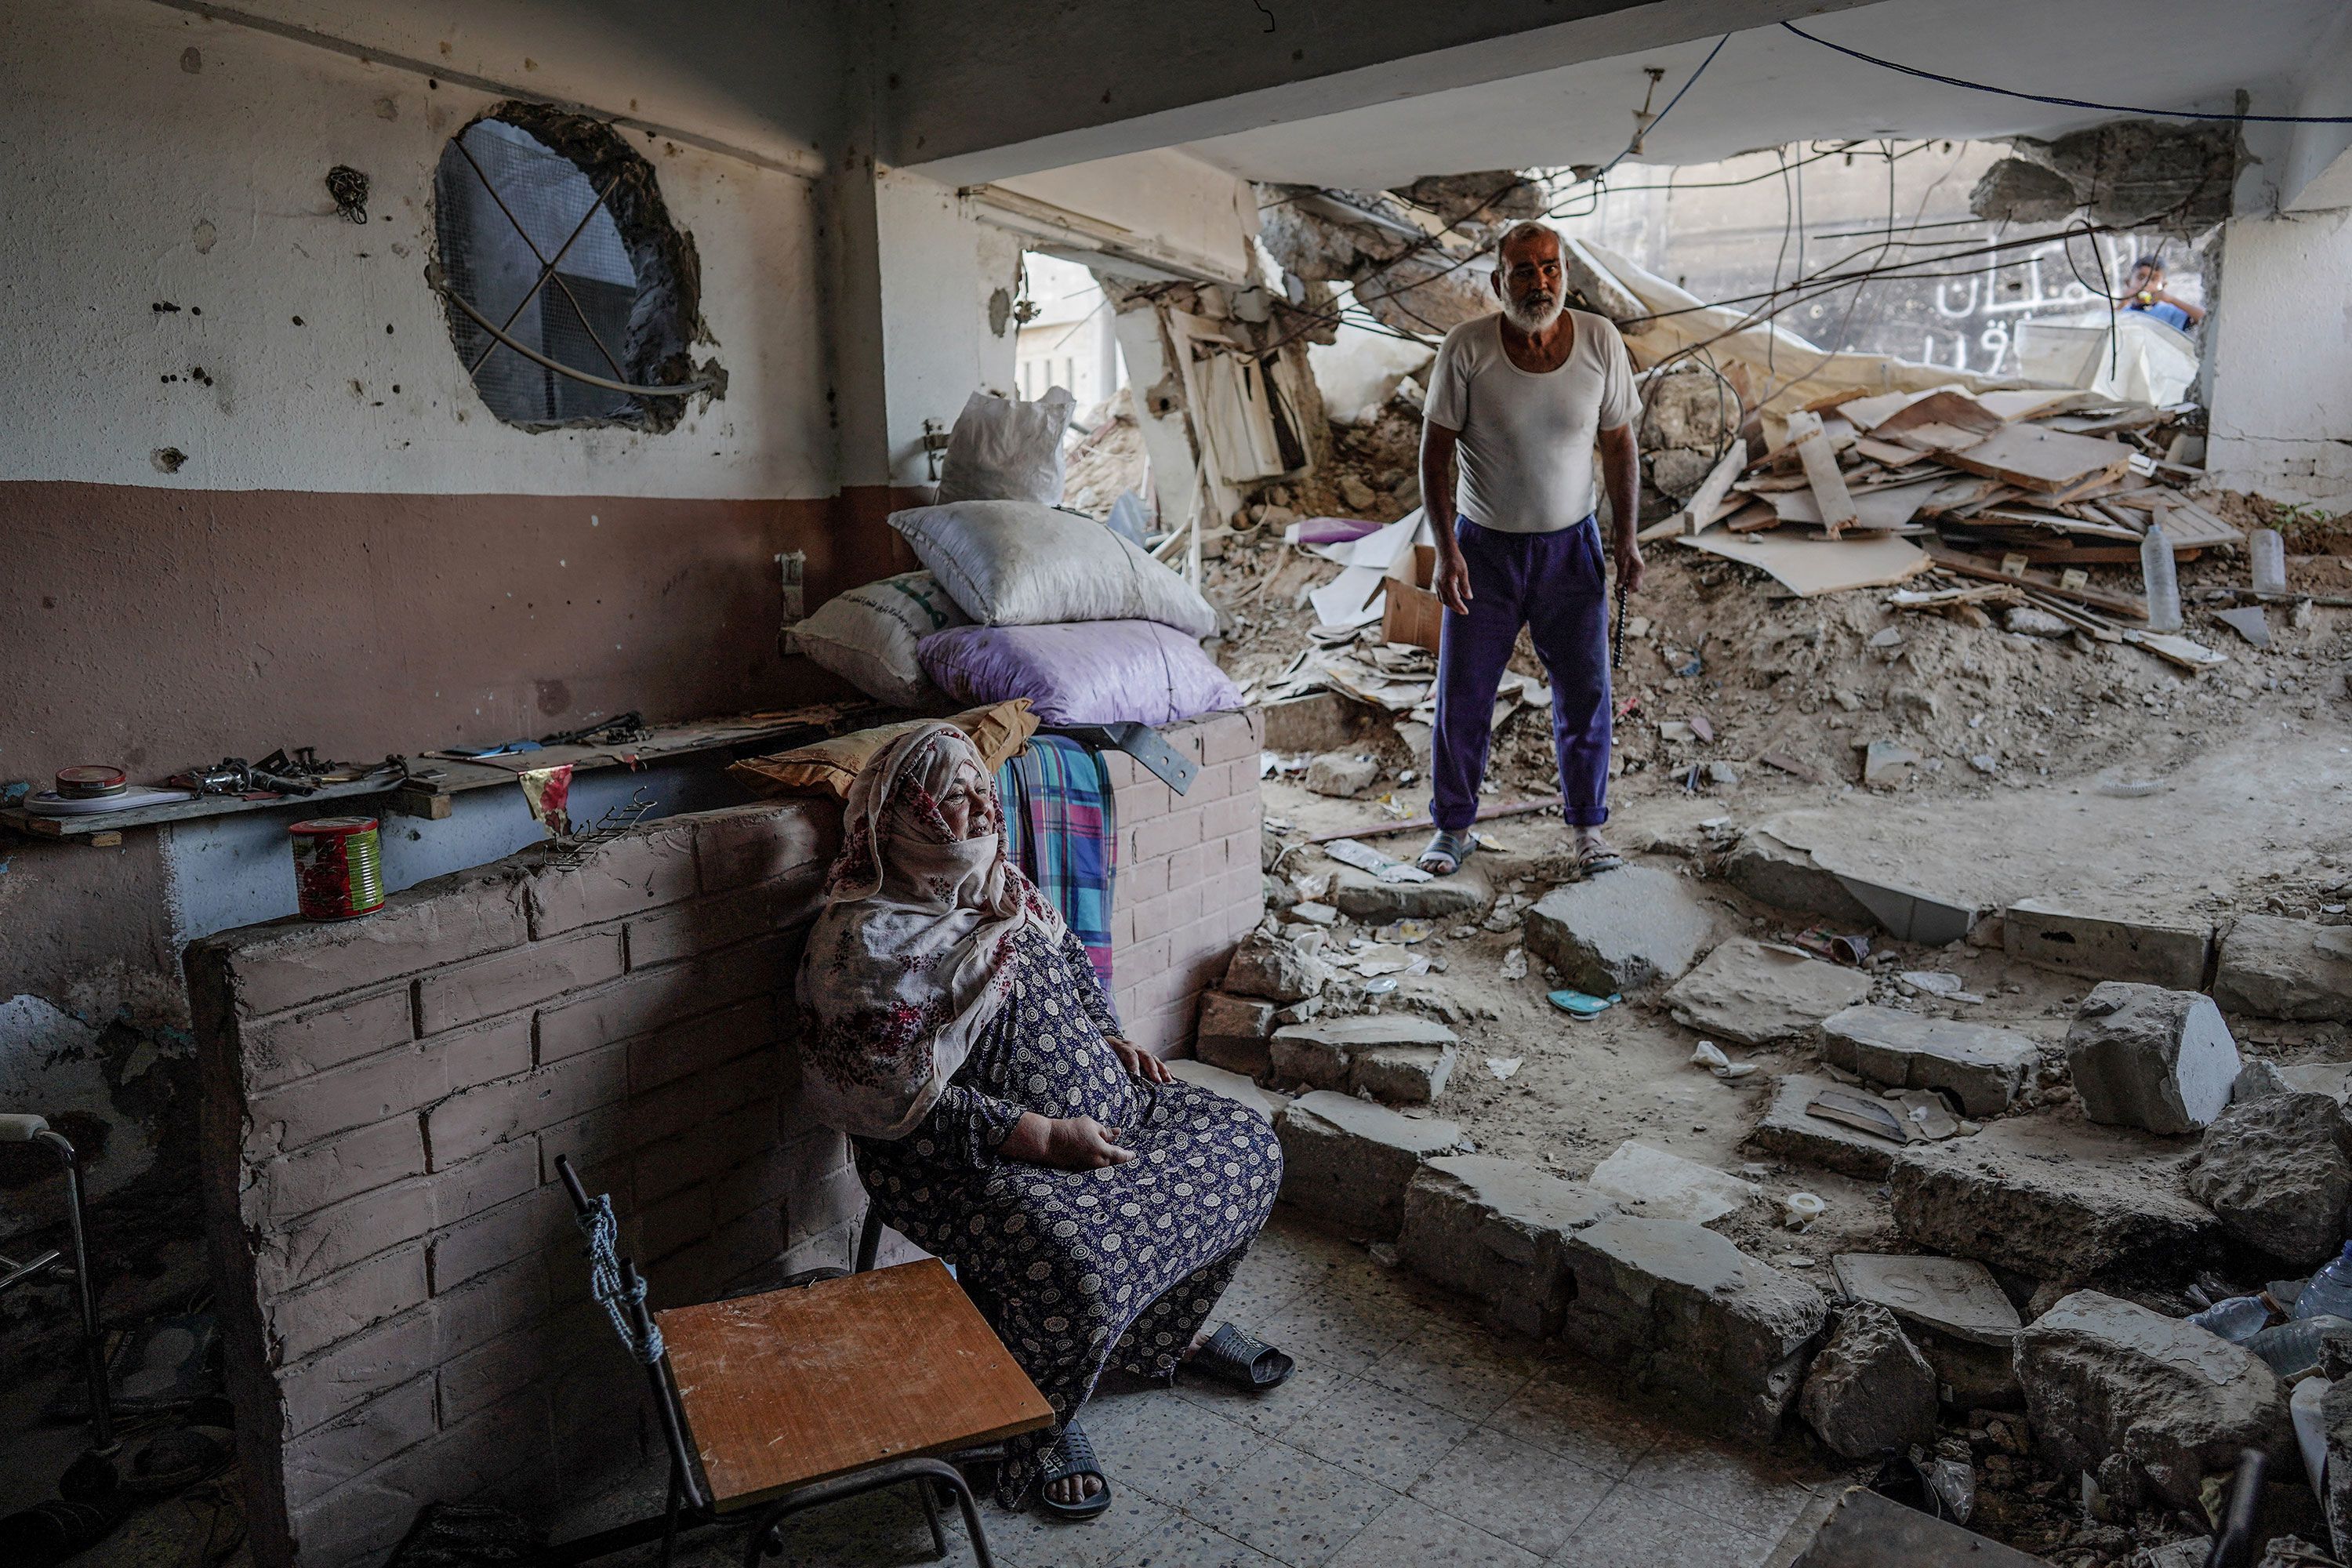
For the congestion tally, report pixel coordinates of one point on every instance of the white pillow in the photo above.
(868, 637)
(1016, 563)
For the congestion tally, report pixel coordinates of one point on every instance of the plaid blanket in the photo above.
(1062, 829)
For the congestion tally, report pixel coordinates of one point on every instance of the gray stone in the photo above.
(1656, 1184)
(1870, 1392)
(2105, 1376)
(1341, 773)
(1319, 722)
(2336, 1418)
(2028, 622)
(1953, 1311)
(1399, 1058)
(1232, 1085)
(1620, 931)
(2332, 1079)
(2049, 1199)
(1494, 1230)
(1365, 896)
(1788, 1128)
(1787, 877)
(1274, 967)
(2277, 1172)
(1757, 994)
(2277, 968)
(2258, 1080)
(1864, 1529)
(2142, 1056)
(1982, 1067)
(2101, 941)
(1698, 1317)
(1887, 764)
(1232, 1033)
(2016, 190)
(1348, 1161)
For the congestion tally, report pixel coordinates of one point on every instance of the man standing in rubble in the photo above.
(1523, 397)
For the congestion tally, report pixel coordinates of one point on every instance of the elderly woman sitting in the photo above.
(1094, 1207)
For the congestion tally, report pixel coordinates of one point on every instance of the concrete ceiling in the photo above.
(1770, 87)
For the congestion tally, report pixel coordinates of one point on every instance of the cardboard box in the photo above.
(1413, 614)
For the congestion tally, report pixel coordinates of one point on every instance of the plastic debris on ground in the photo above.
(1514, 964)
(1504, 1067)
(1581, 1004)
(1364, 858)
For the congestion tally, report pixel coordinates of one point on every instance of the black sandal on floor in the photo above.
(1071, 1456)
(1240, 1359)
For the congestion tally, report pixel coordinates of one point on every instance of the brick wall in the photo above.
(401, 1287)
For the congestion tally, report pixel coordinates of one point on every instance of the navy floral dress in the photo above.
(1077, 1270)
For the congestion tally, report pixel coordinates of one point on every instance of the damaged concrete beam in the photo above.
(1496, 1230)
(2142, 1056)
(2100, 942)
(1397, 1057)
(1982, 1067)
(1348, 1161)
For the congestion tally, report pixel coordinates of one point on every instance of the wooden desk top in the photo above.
(801, 1384)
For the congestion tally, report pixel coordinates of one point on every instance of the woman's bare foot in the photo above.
(1074, 1488)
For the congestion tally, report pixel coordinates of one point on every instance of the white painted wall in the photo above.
(1192, 212)
(2282, 358)
(130, 179)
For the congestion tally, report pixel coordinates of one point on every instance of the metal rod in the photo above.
(93, 1345)
(1485, 814)
(685, 389)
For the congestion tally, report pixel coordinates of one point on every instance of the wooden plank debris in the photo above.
(1978, 566)
(1810, 566)
(1830, 496)
(2040, 460)
(1956, 409)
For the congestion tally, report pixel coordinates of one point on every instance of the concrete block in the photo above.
(700, 1044)
(1274, 968)
(390, 1083)
(2277, 1172)
(2277, 968)
(1698, 1316)
(341, 1167)
(1982, 1067)
(1788, 1128)
(1787, 877)
(629, 874)
(1365, 896)
(1494, 1230)
(1864, 1529)
(1342, 774)
(1319, 722)
(2055, 1201)
(1655, 1185)
(2103, 941)
(1402, 1058)
(315, 1391)
(465, 994)
(2142, 1056)
(298, 1045)
(303, 1322)
(2105, 1376)
(446, 920)
(750, 844)
(1870, 1392)
(721, 920)
(467, 1124)
(1234, 1031)
(499, 1300)
(1348, 1162)
(1233, 1086)
(1953, 1311)
(1620, 931)
(325, 1458)
(1758, 994)
(649, 999)
(531, 1225)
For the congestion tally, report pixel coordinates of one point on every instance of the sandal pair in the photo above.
(1230, 1356)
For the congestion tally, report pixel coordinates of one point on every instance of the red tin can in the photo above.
(338, 867)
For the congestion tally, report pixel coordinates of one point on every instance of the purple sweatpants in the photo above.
(1557, 586)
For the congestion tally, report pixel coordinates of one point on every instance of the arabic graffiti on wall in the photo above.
(1976, 314)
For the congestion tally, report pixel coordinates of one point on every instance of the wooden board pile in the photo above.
(2027, 486)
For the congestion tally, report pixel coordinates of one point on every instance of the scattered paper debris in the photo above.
(1504, 1067)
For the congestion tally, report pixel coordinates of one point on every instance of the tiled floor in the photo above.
(1409, 1436)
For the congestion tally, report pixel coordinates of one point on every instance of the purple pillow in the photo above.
(1080, 672)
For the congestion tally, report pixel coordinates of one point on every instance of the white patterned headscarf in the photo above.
(909, 959)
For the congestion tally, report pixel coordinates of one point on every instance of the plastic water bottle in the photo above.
(2158, 581)
(2237, 1319)
(2269, 553)
(2292, 1349)
(2329, 1292)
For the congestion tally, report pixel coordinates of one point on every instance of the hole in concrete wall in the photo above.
(549, 225)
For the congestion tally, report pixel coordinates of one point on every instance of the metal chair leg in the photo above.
(931, 1516)
(767, 1533)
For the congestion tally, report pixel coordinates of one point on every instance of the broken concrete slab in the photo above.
(1400, 1057)
(2051, 1199)
(2142, 1056)
(2102, 940)
(1869, 1391)
(2331, 1078)
(1319, 722)
(2277, 1172)
(1788, 877)
(1954, 1312)
(1494, 1230)
(1757, 994)
(1788, 1128)
(1656, 1185)
(1232, 1085)
(1621, 929)
(1275, 968)
(1950, 1295)
(1348, 1161)
(1864, 1529)
(1694, 1314)
(1982, 1065)
(1232, 1032)
(1887, 764)
(1359, 894)
(2277, 968)
(1341, 773)
(2105, 1376)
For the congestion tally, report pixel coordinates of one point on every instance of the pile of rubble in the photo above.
(2025, 1353)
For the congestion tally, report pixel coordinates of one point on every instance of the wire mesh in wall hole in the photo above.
(532, 238)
